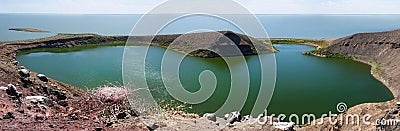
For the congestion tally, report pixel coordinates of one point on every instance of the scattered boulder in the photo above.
(42, 78)
(12, 91)
(15, 62)
(286, 126)
(20, 110)
(61, 95)
(84, 118)
(394, 111)
(35, 99)
(98, 129)
(26, 82)
(110, 123)
(39, 117)
(134, 113)
(34, 102)
(73, 117)
(9, 115)
(48, 102)
(24, 73)
(63, 103)
(152, 127)
(121, 115)
(210, 116)
(43, 107)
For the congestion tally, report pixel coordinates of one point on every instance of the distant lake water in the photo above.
(294, 26)
(305, 84)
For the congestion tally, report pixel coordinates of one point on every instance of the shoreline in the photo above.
(33, 85)
(379, 51)
(380, 109)
(11, 49)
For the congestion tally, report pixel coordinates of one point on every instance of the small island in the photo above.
(27, 30)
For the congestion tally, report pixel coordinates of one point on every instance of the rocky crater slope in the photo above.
(31, 101)
(381, 50)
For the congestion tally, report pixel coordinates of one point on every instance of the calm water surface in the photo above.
(305, 84)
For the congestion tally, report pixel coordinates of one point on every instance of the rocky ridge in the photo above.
(381, 50)
(35, 102)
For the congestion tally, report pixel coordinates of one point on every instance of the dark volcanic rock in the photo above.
(12, 90)
(98, 129)
(61, 95)
(39, 117)
(121, 115)
(134, 113)
(24, 73)
(9, 115)
(42, 77)
(152, 127)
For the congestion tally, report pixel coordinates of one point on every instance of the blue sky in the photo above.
(256, 6)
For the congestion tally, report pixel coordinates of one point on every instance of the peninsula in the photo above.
(27, 30)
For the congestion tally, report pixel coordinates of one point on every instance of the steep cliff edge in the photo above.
(380, 49)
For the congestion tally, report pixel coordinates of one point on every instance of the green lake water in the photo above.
(304, 84)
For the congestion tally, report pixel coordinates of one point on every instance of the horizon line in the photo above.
(221, 14)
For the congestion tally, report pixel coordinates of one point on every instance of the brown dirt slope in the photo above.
(380, 49)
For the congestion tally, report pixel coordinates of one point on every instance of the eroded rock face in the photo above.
(380, 47)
